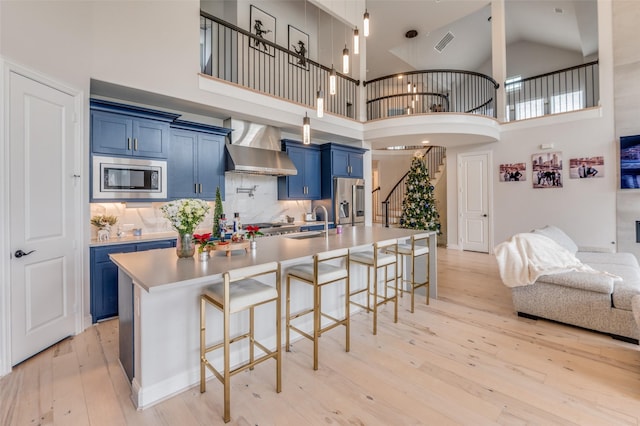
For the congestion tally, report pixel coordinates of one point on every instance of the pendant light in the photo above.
(345, 60)
(356, 41)
(332, 73)
(408, 86)
(332, 81)
(306, 129)
(366, 23)
(320, 104)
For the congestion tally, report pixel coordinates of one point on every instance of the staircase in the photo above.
(388, 210)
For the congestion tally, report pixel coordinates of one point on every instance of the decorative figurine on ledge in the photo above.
(104, 224)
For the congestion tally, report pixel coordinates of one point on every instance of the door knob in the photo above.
(484, 215)
(20, 253)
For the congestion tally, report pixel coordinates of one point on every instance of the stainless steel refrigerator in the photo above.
(348, 201)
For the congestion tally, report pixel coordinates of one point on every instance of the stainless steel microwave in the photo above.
(116, 178)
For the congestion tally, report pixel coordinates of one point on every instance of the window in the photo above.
(567, 102)
(526, 109)
(513, 83)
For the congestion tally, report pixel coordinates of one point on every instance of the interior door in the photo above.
(43, 225)
(474, 202)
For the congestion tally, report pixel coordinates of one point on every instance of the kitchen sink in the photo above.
(306, 235)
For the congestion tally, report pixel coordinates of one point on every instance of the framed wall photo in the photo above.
(513, 172)
(263, 27)
(299, 43)
(547, 170)
(586, 167)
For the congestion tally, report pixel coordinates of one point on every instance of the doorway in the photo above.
(43, 216)
(473, 201)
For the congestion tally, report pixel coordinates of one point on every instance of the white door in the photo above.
(474, 202)
(42, 221)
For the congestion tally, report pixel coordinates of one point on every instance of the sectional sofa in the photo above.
(593, 301)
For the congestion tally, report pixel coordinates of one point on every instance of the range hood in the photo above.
(255, 149)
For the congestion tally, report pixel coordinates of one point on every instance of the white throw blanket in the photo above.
(525, 257)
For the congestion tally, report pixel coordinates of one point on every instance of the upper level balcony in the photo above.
(457, 102)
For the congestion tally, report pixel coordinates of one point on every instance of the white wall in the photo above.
(585, 209)
(626, 16)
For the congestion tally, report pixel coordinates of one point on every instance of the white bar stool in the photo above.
(322, 272)
(381, 255)
(418, 246)
(238, 292)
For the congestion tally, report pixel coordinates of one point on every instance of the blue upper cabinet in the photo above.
(124, 130)
(342, 160)
(306, 185)
(196, 160)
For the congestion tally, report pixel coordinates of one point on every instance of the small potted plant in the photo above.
(251, 231)
(203, 245)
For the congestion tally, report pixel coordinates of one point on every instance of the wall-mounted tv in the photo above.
(630, 162)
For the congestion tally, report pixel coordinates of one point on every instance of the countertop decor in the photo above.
(185, 215)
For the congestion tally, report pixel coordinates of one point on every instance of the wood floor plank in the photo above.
(464, 359)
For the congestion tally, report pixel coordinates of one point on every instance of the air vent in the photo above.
(444, 42)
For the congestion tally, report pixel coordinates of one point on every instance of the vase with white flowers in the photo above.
(185, 215)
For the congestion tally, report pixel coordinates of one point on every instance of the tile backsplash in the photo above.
(255, 197)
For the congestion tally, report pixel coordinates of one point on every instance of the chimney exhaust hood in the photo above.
(255, 149)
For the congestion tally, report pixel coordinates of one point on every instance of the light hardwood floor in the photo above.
(464, 359)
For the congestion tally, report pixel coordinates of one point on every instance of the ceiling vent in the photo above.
(448, 37)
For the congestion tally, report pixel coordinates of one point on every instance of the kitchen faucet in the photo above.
(326, 220)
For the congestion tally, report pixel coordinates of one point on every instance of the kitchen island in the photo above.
(159, 308)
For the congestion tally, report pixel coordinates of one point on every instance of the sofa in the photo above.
(600, 302)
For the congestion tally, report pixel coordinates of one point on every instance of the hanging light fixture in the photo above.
(415, 90)
(306, 129)
(366, 23)
(320, 104)
(408, 86)
(332, 81)
(345, 60)
(356, 41)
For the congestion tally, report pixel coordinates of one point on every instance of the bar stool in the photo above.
(320, 274)
(381, 255)
(413, 249)
(237, 292)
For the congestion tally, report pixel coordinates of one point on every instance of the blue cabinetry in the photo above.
(196, 160)
(340, 161)
(306, 185)
(104, 275)
(124, 130)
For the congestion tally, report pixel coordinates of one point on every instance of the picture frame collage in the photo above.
(547, 169)
(263, 27)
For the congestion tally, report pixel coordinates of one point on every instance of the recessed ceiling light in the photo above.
(425, 141)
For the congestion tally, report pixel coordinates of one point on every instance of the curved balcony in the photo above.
(430, 91)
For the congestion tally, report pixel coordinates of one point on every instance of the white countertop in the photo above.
(128, 239)
(161, 269)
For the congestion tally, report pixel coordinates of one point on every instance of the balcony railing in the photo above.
(232, 54)
(569, 89)
(424, 92)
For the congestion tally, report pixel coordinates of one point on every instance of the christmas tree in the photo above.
(217, 212)
(419, 205)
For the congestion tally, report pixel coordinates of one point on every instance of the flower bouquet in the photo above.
(185, 215)
(203, 240)
(251, 231)
(101, 221)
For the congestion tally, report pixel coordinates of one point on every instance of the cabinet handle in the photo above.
(135, 144)
(129, 144)
(195, 188)
(200, 188)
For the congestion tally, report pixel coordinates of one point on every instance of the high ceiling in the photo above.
(563, 24)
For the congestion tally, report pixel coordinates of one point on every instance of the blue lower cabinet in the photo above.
(104, 276)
